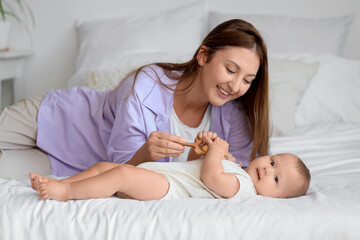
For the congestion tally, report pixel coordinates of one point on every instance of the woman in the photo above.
(223, 89)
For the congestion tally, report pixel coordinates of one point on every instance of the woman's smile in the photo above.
(222, 92)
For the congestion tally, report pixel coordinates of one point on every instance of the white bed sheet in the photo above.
(330, 210)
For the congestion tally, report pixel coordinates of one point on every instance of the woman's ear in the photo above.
(202, 55)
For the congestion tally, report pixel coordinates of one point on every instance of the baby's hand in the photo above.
(200, 137)
(231, 158)
(202, 134)
(216, 145)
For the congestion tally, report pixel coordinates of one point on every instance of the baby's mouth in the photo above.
(258, 174)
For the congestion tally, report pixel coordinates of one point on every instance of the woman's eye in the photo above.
(276, 179)
(229, 70)
(272, 163)
(247, 82)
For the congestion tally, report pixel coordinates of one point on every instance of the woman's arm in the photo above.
(212, 171)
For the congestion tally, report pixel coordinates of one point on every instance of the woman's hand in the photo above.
(160, 145)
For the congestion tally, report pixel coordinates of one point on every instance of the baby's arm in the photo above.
(212, 170)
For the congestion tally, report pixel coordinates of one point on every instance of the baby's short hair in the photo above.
(305, 172)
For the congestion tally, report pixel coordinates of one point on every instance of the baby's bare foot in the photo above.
(34, 183)
(31, 177)
(54, 189)
(34, 179)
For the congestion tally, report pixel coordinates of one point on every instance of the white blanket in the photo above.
(330, 210)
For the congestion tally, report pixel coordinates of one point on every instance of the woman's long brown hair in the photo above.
(255, 102)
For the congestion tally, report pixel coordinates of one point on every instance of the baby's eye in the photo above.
(272, 162)
(276, 179)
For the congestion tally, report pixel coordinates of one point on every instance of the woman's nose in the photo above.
(235, 86)
(238, 86)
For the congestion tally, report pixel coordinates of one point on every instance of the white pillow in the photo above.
(286, 34)
(108, 43)
(102, 79)
(108, 77)
(288, 80)
(333, 94)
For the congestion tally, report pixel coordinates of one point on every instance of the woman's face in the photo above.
(228, 75)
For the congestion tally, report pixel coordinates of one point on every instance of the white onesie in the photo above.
(185, 182)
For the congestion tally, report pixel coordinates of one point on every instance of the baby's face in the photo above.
(276, 176)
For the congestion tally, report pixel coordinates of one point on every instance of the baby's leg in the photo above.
(96, 169)
(92, 171)
(137, 183)
(143, 184)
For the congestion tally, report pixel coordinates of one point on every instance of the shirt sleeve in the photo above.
(128, 131)
(240, 143)
(246, 189)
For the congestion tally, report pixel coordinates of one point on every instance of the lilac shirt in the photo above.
(79, 127)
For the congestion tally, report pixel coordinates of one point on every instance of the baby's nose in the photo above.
(268, 171)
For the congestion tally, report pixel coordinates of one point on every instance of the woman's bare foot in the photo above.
(53, 189)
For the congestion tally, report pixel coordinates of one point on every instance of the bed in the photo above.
(330, 209)
(315, 113)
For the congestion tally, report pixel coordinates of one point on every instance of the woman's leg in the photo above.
(18, 130)
(137, 183)
(18, 163)
(18, 124)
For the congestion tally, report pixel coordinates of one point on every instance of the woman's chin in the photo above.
(218, 102)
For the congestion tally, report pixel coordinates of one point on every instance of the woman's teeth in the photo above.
(222, 91)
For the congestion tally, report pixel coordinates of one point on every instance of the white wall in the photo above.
(55, 46)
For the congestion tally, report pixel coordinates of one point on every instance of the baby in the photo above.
(278, 176)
